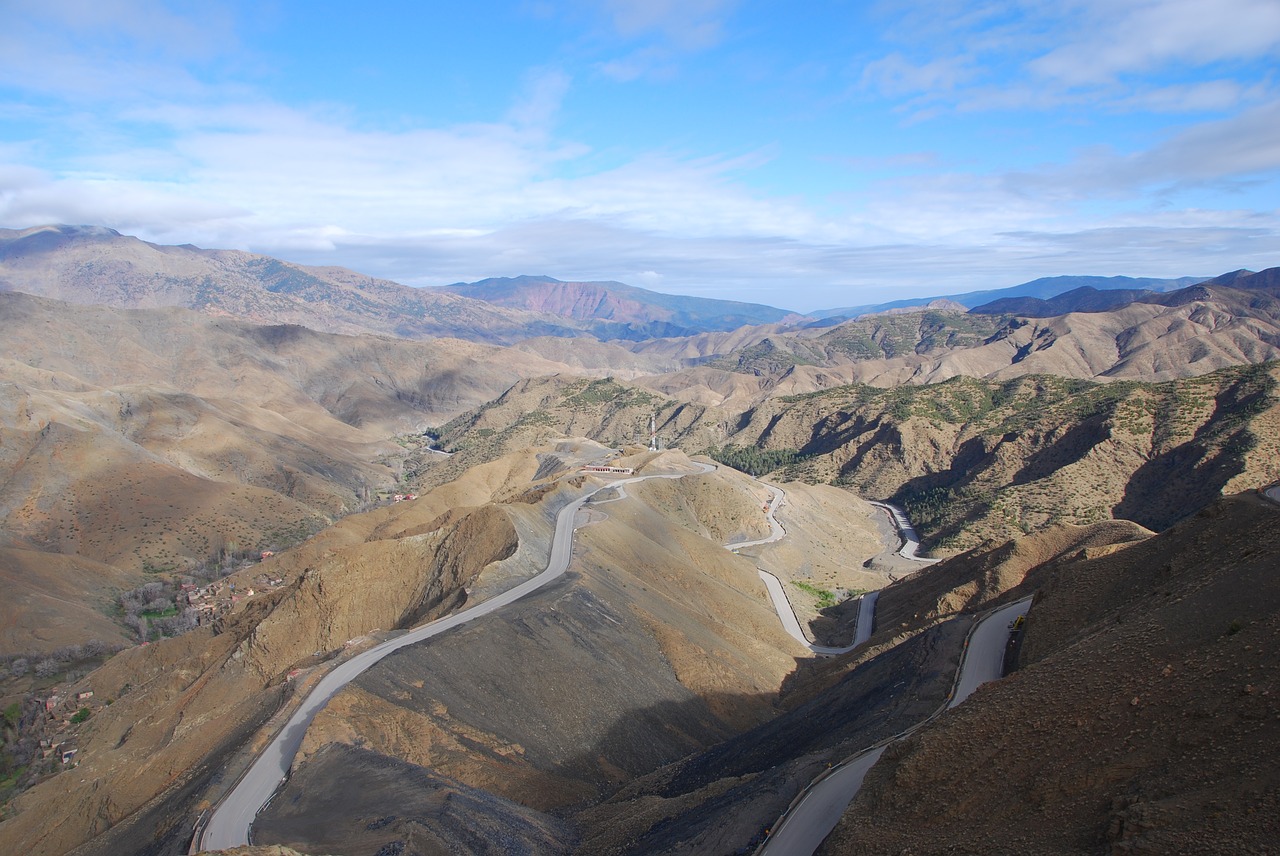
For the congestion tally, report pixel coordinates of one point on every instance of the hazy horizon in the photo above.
(837, 155)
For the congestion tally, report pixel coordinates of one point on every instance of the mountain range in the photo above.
(1043, 289)
(357, 456)
(614, 310)
(95, 265)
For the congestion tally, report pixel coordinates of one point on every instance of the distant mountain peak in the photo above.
(617, 310)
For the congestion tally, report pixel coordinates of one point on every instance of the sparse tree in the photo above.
(138, 624)
(68, 653)
(46, 668)
(19, 667)
(95, 648)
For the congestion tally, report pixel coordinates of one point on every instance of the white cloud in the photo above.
(1242, 148)
(110, 49)
(895, 75)
(224, 166)
(1118, 37)
(1117, 55)
(540, 99)
(686, 24)
(30, 197)
(653, 61)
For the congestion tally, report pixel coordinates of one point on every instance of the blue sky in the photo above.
(803, 155)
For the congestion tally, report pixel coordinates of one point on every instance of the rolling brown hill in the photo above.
(648, 702)
(182, 707)
(658, 632)
(154, 440)
(1231, 320)
(614, 310)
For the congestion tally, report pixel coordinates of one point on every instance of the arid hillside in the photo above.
(723, 800)
(657, 643)
(614, 310)
(1231, 320)
(179, 709)
(158, 440)
(974, 461)
(1144, 716)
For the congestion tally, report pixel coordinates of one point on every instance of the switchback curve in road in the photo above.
(777, 594)
(776, 532)
(817, 810)
(910, 540)
(782, 604)
(229, 824)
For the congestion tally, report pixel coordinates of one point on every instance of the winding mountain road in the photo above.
(776, 532)
(230, 822)
(910, 540)
(866, 603)
(810, 820)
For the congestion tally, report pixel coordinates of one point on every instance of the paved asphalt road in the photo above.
(910, 540)
(810, 821)
(776, 532)
(782, 605)
(229, 825)
(790, 623)
(984, 658)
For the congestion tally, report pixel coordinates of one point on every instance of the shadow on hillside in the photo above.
(725, 785)
(1076, 442)
(836, 625)
(971, 455)
(729, 793)
(1192, 475)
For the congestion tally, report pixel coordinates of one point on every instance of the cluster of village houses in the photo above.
(210, 600)
(218, 598)
(59, 710)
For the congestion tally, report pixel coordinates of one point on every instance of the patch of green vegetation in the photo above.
(762, 358)
(81, 715)
(752, 460)
(9, 781)
(283, 278)
(535, 418)
(607, 391)
(825, 598)
(886, 336)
